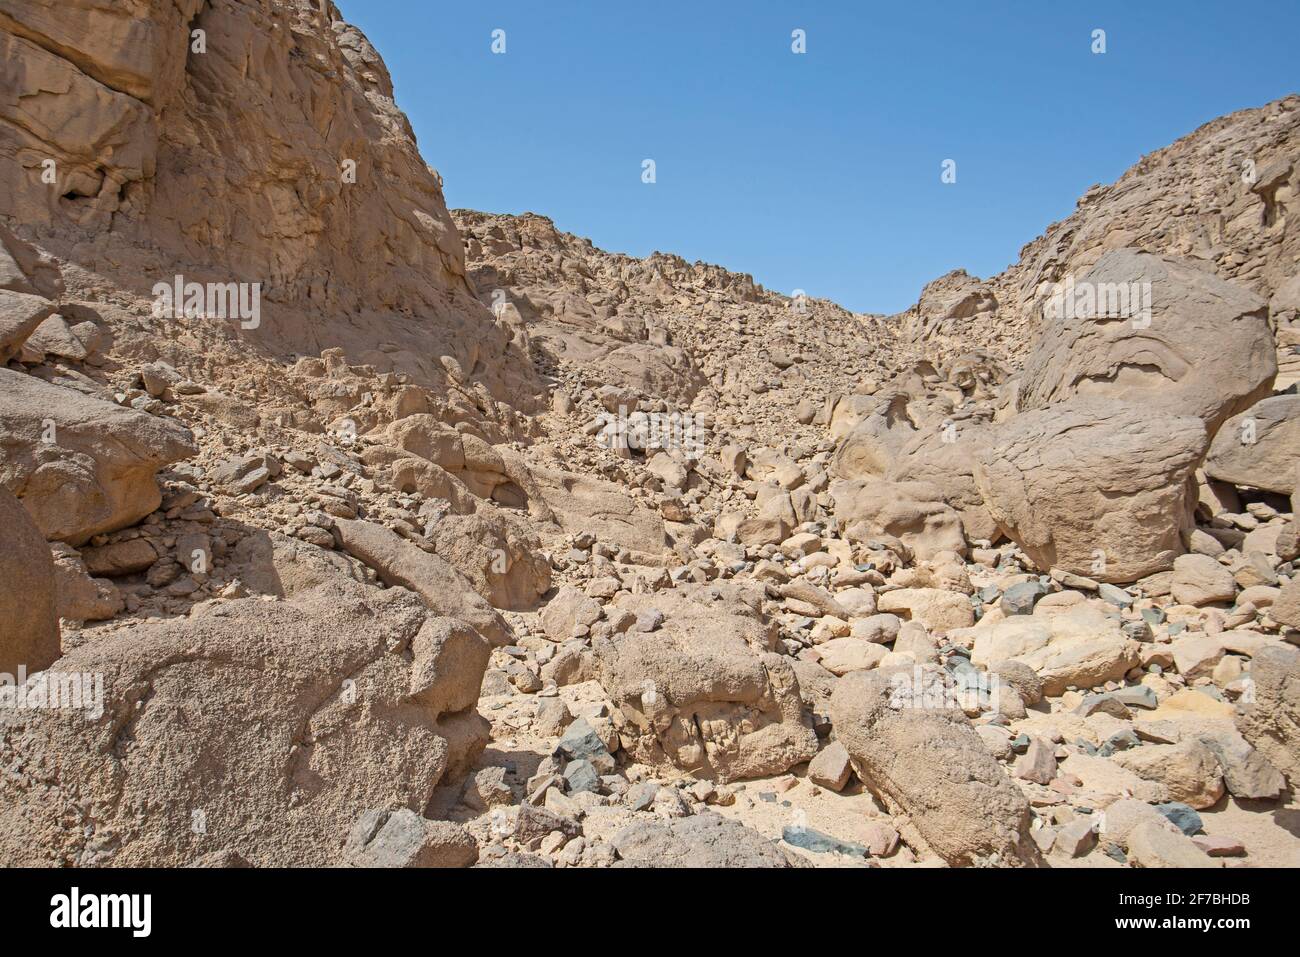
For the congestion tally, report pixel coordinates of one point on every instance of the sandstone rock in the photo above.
(81, 597)
(29, 623)
(20, 315)
(1259, 447)
(1189, 343)
(931, 766)
(935, 608)
(1189, 771)
(569, 610)
(1200, 580)
(704, 692)
(340, 706)
(705, 840)
(911, 511)
(839, 656)
(1286, 606)
(96, 472)
(582, 503)
(1151, 845)
(1094, 486)
(1080, 647)
(1271, 723)
(401, 838)
(443, 589)
(498, 554)
(831, 768)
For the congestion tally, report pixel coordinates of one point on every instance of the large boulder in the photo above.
(29, 623)
(1271, 722)
(1081, 647)
(1097, 487)
(913, 512)
(500, 556)
(705, 692)
(945, 458)
(256, 726)
(881, 428)
(444, 589)
(80, 465)
(930, 769)
(1260, 447)
(585, 503)
(20, 315)
(1156, 332)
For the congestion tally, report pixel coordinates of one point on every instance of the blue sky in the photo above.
(818, 171)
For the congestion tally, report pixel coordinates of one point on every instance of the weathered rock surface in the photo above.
(1093, 486)
(705, 692)
(258, 726)
(1272, 722)
(29, 623)
(930, 766)
(79, 465)
(706, 840)
(442, 587)
(1260, 447)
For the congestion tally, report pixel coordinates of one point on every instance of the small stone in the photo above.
(831, 768)
(1217, 846)
(1020, 599)
(1115, 595)
(1038, 763)
(651, 619)
(820, 843)
(1183, 816)
(1078, 837)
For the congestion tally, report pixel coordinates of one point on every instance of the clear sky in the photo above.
(818, 171)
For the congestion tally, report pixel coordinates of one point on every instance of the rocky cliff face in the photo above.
(281, 578)
(246, 142)
(1225, 197)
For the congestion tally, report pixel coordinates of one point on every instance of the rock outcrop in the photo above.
(260, 727)
(29, 623)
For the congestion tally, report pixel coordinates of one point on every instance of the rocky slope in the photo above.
(482, 545)
(1224, 197)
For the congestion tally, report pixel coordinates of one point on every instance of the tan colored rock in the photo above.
(704, 692)
(1093, 486)
(932, 769)
(935, 608)
(1185, 343)
(1189, 771)
(832, 767)
(1271, 721)
(911, 511)
(346, 701)
(569, 610)
(583, 503)
(81, 597)
(20, 315)
(498, 554)
(1260, 447)
(1080, 647)
(1201, 580)
(1152, 845)
(444, 590)
(97, 473)
(840, 656)
(29, 624)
